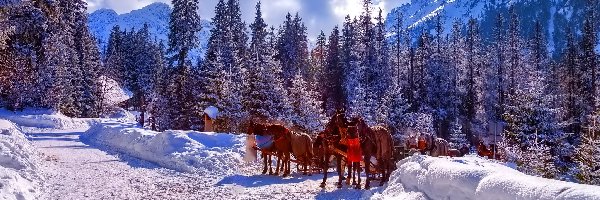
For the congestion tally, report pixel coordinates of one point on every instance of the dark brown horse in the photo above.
(264, 144)
(331, 140)
(376, 142)
(483, 151)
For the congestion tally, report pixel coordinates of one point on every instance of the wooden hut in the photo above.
(210, 115)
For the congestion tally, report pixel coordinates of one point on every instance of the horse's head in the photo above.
(352, 132)
(256, 129)
(340, 120)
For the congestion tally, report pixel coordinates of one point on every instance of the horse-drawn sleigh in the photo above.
(340, 140)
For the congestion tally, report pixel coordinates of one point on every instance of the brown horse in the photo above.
(302, 150)
(483, 151)
(332, 145)
(264, 144)
(282, 141)
(376, 142)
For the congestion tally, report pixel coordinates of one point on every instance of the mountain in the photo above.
(157, 17)
(556, 16)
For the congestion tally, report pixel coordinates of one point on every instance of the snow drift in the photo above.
(43, 118)
(180, 150)
(19, 163)
(423, 177)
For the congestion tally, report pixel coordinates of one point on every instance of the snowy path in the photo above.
(75, 170)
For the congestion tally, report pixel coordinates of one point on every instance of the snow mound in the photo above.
(19, 163)
(187, 151)
(423, 177)
(43, 118)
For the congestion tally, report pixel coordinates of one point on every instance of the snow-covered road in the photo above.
(75, 170)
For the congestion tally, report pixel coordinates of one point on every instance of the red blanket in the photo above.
(354, 151)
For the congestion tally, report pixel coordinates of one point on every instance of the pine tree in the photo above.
(265, 97)
(293, 48)
(306, 106)
(333, 74)
(184, 26)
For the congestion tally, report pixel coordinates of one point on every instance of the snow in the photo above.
(212, 112)
(19, 162)
(42, 118)
(112, 92)
(423, 177)
(180, 150)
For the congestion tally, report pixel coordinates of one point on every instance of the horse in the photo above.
(458, 152)
(302, 150)
(331, 140)
(483, 151)
(282, 142)
(376, 142)
(354, 155)
(264, 144)
(439, 147)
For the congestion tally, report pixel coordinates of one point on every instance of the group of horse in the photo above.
(350, 142)
(347, 141)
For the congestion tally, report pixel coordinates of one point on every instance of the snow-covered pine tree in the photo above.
(396, 109)
(418, 73)
(316, 67)
(184, 25)
(307, 113)
(471, 82)
(349, 60)
(382, 80)
(293, 48)
(589, 58)
(587, 156)
(495, 73)
(333, 74)
(264, 95)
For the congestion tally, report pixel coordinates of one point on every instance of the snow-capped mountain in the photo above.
(156, 15)
(556, 16)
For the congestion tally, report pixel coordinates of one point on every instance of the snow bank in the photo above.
(180, 150)
(19, 163)
(423, 177)
(43, 118)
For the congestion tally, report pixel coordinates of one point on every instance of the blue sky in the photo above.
(317, 14)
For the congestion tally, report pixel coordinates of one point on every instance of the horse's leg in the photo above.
(325, 167)
(349, 166)
(358, 170)
(270, 162)
(339, 169)
(265, 164)
(367, 159)
(287, 163)
(278, 164)
(382, 166)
